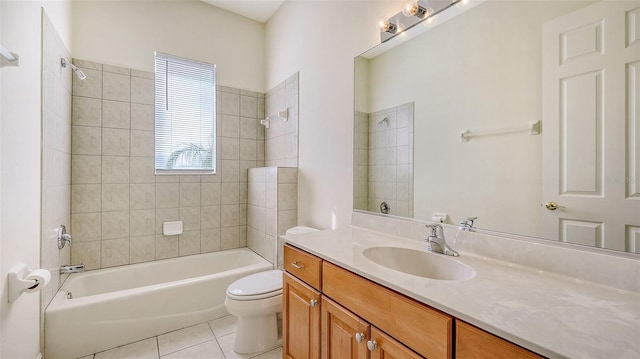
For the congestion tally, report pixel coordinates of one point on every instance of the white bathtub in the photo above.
(115, 306)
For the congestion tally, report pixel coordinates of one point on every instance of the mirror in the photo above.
(523, 113)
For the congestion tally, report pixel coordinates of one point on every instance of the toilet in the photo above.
(256, 300)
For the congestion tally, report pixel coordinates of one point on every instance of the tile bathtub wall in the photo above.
(272, 209)
(118, 204)
(281, 146)
(391, 160)
(56, 159)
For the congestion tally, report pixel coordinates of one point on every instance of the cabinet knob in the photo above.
(372, 345)
(313, 302)
(359, 337)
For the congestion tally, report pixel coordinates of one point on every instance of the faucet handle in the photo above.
(466, 224)
(434, 229)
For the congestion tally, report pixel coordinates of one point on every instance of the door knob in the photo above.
(552, 206)
(359, 337)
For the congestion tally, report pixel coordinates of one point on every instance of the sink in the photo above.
(419, 263)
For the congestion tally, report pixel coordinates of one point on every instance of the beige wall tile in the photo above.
(115, 224)
(210, 217)
(248, 150)
(86, 140)
(115, 142)
(229, 237)
(86, 169)
(230, 193)
(116, 87)
(142, 196)
(229, 215)
(116, 69)
(86, 111)
(143, 74)
(287, 196)
(115, 197)
(271, 221)
(189, 243)
(142, 222)
(142, 170)
(229, 126)
(229, 171)
(230, 104)
(248, 106)
(115, 169)
(210, 240)
(189, 194)
(190, 217)
(166, 215)
(86, 198)
(142, 117)
(142, 143)
(167, 195)
(142, 249)
(286, 219)
(166, 246)
(89, 87)
(116, 114)
(87, 253)
(249, 128)
(210, 193)
(115, 252)
(86, 227)
(142, 90)
(229, 148)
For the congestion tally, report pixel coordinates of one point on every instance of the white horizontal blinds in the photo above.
(184, 115)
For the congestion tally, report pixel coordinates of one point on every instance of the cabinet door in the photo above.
(475, 343)
(300, 320)
(385, 347)
(344, 335)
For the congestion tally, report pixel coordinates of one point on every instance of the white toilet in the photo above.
(257, 300)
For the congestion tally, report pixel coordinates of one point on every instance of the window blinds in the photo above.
(185, 138)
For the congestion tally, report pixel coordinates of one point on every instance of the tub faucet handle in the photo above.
(63, 237)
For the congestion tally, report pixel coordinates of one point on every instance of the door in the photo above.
(344, 334)
(591, 66)
(300, 320)
(383, 346)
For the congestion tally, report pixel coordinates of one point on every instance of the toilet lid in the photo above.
(257, 284)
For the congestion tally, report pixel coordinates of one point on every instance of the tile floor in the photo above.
(211, 340)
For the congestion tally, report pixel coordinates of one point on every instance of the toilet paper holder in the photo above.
(19, 281)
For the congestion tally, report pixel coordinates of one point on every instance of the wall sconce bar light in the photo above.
(413, 13)
(8, 58)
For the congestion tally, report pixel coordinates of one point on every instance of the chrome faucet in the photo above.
(437, 243)
(73, 268)
(467, 224)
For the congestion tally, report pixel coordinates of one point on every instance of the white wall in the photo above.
(126, 33)
(20, 157)
(320, 39)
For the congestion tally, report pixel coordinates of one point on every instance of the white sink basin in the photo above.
(419, 263)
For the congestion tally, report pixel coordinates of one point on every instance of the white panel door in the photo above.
(591, 121)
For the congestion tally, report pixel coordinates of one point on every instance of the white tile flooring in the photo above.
(211, 340)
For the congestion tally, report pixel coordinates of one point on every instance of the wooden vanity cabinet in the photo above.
(300, 319)
(475, 343)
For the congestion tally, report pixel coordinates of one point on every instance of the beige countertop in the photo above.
(553, 315)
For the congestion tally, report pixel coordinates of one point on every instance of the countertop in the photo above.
(552, 315)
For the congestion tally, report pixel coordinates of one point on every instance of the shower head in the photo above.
(383, 121)
(76, 70)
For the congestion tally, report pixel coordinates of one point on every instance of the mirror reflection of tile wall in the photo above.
(383, 165)
(281, 138)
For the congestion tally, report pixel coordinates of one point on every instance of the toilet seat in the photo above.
(256, 286)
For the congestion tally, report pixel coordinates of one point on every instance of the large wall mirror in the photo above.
(524, 114)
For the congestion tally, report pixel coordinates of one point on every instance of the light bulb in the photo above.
(385, 25)
(413, 8)
(461, 4)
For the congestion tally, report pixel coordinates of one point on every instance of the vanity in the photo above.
(340, 302)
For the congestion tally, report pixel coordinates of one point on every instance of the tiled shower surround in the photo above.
(272, 209)
(383, 165)
(281, 146)
(118, 204)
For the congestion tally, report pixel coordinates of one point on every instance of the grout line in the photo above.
(158, 346)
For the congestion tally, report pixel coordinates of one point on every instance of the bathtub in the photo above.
(116, 306)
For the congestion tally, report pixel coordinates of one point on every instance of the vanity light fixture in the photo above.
(461, 4)
(413, 8)
(385, 25)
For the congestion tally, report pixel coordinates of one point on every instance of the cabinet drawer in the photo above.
(423, 329)
(475, 343)
(303, 265)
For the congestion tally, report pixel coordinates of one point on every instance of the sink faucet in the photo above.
(437, 243)
(73, 268)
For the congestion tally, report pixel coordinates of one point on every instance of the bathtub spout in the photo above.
(74, 268)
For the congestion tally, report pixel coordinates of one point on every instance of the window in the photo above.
(185, 136)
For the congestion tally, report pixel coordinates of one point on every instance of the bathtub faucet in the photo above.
(74, 268)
